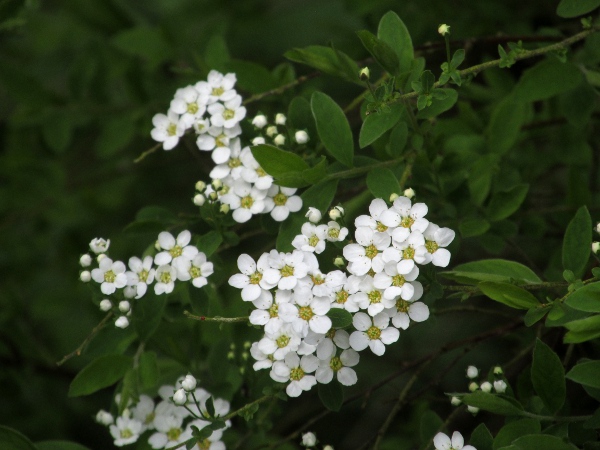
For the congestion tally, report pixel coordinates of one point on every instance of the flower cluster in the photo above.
(442, 441)
(176, 260)
(293, 298)
(496, 382)
(170, 420)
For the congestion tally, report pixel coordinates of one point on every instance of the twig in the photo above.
(282, 89)
(189, 315)
(78, 350)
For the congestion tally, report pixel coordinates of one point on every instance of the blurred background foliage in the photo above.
(79, 84)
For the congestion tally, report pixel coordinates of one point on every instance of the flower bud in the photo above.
(245, 356)
(364, 74)
(339, 262)
(157, 246)
(313, 215)
(301, 137)
(85, 276)
(247, 344)
(99, 245)
(595, 246)
(393, 197)
(105, 305)
(486, 386)
(598, 227)
(409, 193)
(279, 139)
(231, 356)
(217, 184)
(100, 257)
(472, 409)
(455, 401)
(444, 29)
(259, 121)
(309, 439)
(124, 306)
(122, 322)
(129, 291)
(213, 196)
(271, 131)
(472, 372)
(189, 383)
(85, 260)
(104, 418)
(258, 140)
(280, 119)
(500, 386)
(200, 186)
(336, 212)
(224, 208)
(328, 447)
(473, 386)
(498, 370)
(180, 397)
(199, 199)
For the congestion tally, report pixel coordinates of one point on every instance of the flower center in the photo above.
(330, 334)
(402, 305)
(218, 91)
(221, 140)
(371, 251)
(431, 246)
(173, 434)
(317, 279)
(333, 233)
(374, 296)
(204, 444)
(373, 333)
(172, 129)
(192, 108)
(149, 418)
(335, 364)
(261, 172)
(282, 341)
(176, 251)
(280, 199)
(126, 433)
(195, 272)
(143, 275)
(109, 276)
(165, 277)
(380, 227)
(398, 280)
(296, 374)
(247, 202)
(305, 313)
(407, 222)
(341, 297)
(234, 162)
(273, 310)
(228, 114)
(287, 271)
(408, 253)
(255, 278)
(313, 240)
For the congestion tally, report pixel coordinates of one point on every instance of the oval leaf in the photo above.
(493, 403)
(547, 79)
(503, 204)
(509, 294)
(331, 395)
(59, 445)
(586, 298)
(381, 51)
(340, 318)
(14, 440)
(100, 373)
(276, 162)
(492, 270)
(377, 123)
(333, 128)
(393, 31)
(577, 242)
(586, 373)
(582, 330)
(514, 430)
(382, 183)
(548, 376)
(574, 8)
(545, 441)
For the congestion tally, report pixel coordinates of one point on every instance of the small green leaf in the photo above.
(58, 131)
(458, 58)
(439, 106)
(582, 330)
(577, 242)
(145, 42)
(509, 294)
(209, 243)
(59, 445)
(586, 298)
(547, 79)
(300, 117)
(14, 440)
(331, 395)
(480, 178)
(340, 318)
(492, 270)
(473, 227)
(540, 441)
(381, 51)
(430, 424)
(574, 8)
(586, 373)
(216, 53)
(377, 123)
(514, 430)
(327, 60)
(278, 163)
(148, 370)
(316, 173)
(100, 373)
(147, 315)
(382, 183)
(398, 140)
(333, 128)
(481, 438)
(548, 376)
(393, 31)
(534, 315)
(504, 204)
(505, 124)
(251, 77)
(493, 403)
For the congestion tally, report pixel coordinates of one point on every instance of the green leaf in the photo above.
(492, 270)
(251, 77)
(574, 8)
(578, 104)
(398, 140)
(586, 298)
(393, 31)
(216, 53)
(381, 51)
(548, 376)
(148, 370)
(327, 60)
(333, 128)
(542, 441)
(481, 438)
(377, 123)
(509, 294)
(209, 243)
(547, 79)
(534, 315)
(285, 167)
(382, 183)
(117, 131)
(430, 424)
(300, 116)
(14, 440)
(331, 395)
(59, 445)
(582, 330)
(493, 403)
(147, 315)
(145, 42)
(514, 430)
(505, 124)
(58, 131)
(577, 242)
(480, 178)
(316, 173)
(504, 204)
(473, 227)
(439, 106)
(586, 373)
(340, 318)
(100, 373)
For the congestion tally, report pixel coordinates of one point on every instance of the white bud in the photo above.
(498, 370)
(328, 447)
(301, 137)
(199, 199)
(99, 245)
(339, 262)
(224, 208)
(409, 193)
(104, 417)
(598, 227)
(280, 119)
(213, 196)
(313, 215)
(473, 409)
(189, 383)
(279, 139)
(595, 246)
(105, 305)
(85, 276)
(472, 372)
(180, 397)
(500, 386)
(217, 184)
(309, 439)
(259, 121)
(473, 386)
(444, 29)
(122, 322)
(130, 291)
(486, 386)
(124, 306)
(455, 401)
(393, 197)
(258, 140)
(85, 260)
(200, 186)
(157, 246)
(271, 131)
(336, 212)
(100, 257)
(364, 74)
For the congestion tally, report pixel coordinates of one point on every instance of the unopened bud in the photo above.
(199, 199)
(280, 119)
(230, 355)
(213, 196)
(455, 401)
(217, 184)
(409, 193)
(200, 186)
(473, 386)
(598, 227)
(444, 29)
(245, 356)
(130, 291)
(224, 208)
(99, 245)
(328, 447)
(85, 260)
(486, 386)
(258, 140)
(313, 215)
(104, 417)
(301, 137)
(498, 370)
(336, 212)
(500, 386)
(393, 197)
(472, 372)
(122, 322)
(595, 246)
(259, 121)
(339, 262)
(157, 246)
(271, 131)
(309, 439)
(279, 139)
(124, 306)
(105, 305)
(180, 397)
(247, 344)
(473, 409)
(364, 74)
(100, 257)
(85, 276)
(189, 383)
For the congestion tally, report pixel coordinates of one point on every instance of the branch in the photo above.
(78, 350)
(189, 315)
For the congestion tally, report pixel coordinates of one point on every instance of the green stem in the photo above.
(360, 170)
(448, 57)
(189, 315)
(554, 418)
(529, 287)
(245, 408)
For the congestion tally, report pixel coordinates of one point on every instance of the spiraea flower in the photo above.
(167, 129)
(281, 201)
(340, 367)
(140, 275)
(441, 441)
(126, 431)
(251, 280)
(111, 275)
(99, 245)
(296, 370)
(373, 333)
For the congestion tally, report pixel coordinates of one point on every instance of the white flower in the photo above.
(227, 114)
(144, 411)
(85, 260)
(263, 361)
(309, 439)
(472, 372)
(165, 279)
(212, 442)
(443, 442)
(295, 369)
(122, 322)
(259, 121)
(169, 432)
(444, 29)
(290, 268)
(104, 417)
(197, 270)
(141, 274)
(218, 87)
(313, 215)
(189, 104)
(252, 172)
(245, 201)
(279, 140)
(281, 201)
(301, 137)
(267, 312)
(280, 119)
(336, 233)
(486, 386)
(175, 249)
(374, 333)
(111, 275)
(189, 383)
(105, 305)
(167, 129)
(180, 397)
(336, 212)
(406, 310)
(343, 295)
(435, 239)
(199, 199)
(412, 250)
(85, 276)
(308, 312)
(126, 431)
(99, 245)
(221, 141)
(312, 239)
(280, 343)
(251, 280)
(233, 166)
(370, 298)
(407, 217)
(379, 219)
(395, 283)
(366, 254)
(500, 386)
(340, 366)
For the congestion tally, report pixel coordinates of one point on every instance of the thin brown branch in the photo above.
(78, 350)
